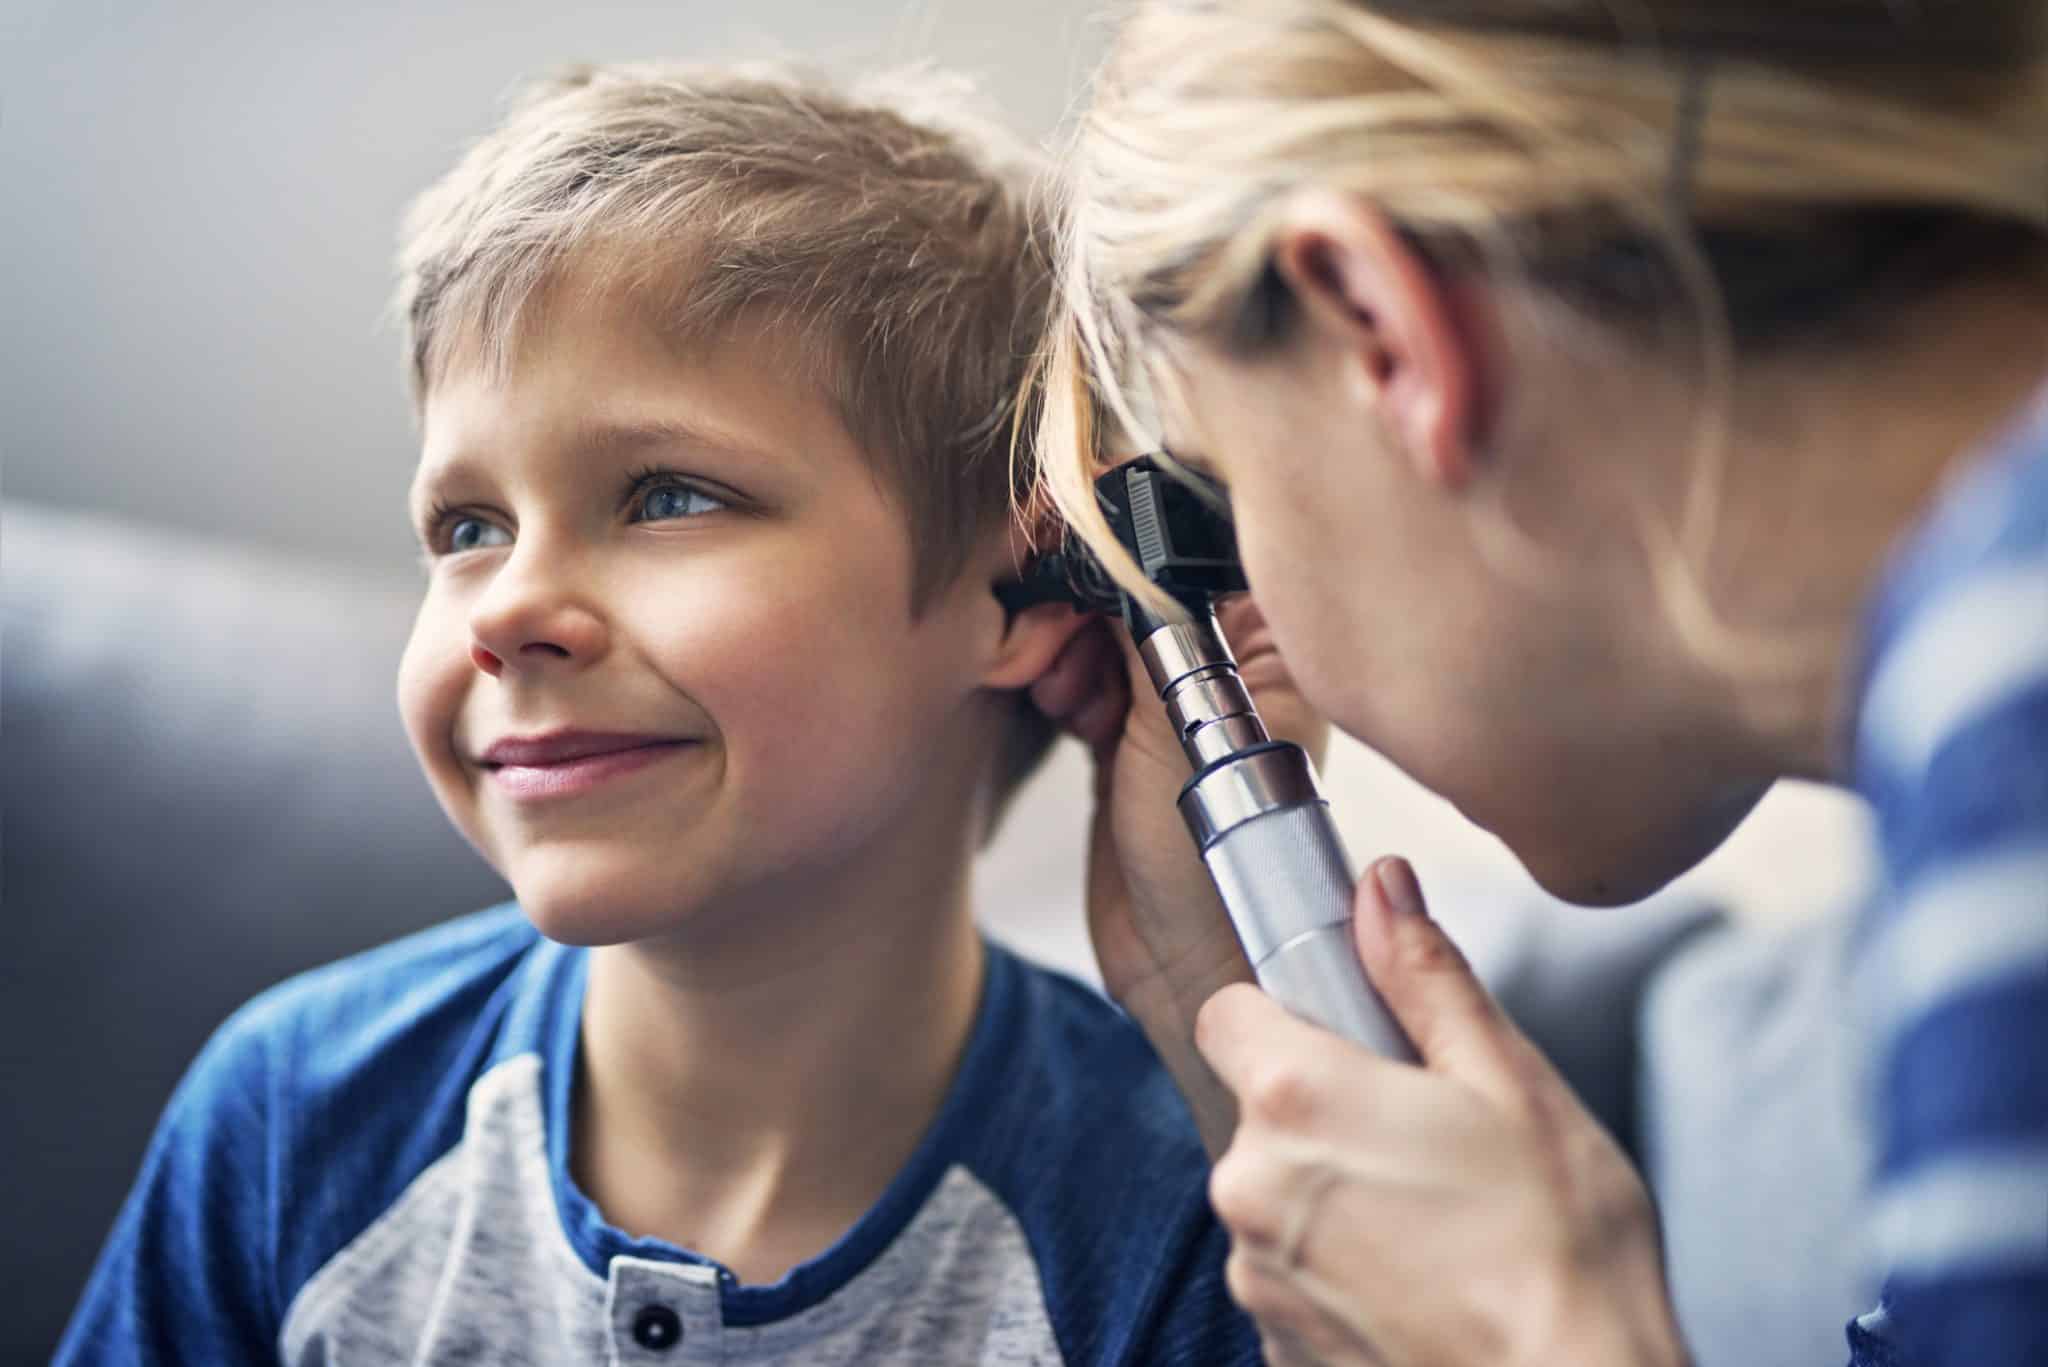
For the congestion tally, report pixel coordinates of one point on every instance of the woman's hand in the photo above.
(1162, 939)
(1466, 1211)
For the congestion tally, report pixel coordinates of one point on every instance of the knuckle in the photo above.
(1212, 1025)
(1281, 1094)
(1258, 1293)
(1240, 1279)
(1543, 1110)
(1242, 1199)
(1230, 1193)
(1205, 1027)
(1295, 1342)
(1425, 949)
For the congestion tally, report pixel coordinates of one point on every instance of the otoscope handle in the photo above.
(1266, 834)
(1280, 865)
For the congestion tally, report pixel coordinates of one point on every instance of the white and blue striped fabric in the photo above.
(1951, 750)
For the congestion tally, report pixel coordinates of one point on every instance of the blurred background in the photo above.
(208, 572)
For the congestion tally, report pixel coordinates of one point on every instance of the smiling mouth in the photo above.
(569, 763)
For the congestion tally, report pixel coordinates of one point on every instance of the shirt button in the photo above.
(657, 1328)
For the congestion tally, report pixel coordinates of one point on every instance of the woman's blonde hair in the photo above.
(1755, 166)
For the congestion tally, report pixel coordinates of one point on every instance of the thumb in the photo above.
(1426, 982)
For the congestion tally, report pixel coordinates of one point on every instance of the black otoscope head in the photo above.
(1251, 802)
(1176, 526)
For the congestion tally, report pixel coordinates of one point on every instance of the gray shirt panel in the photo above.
(471, 1265)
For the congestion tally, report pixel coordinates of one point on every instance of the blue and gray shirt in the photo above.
(369, 1164)
(1952, 752)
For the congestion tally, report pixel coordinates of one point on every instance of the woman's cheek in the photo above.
(1308, 638)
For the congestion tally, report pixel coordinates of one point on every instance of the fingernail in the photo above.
(1398, 885)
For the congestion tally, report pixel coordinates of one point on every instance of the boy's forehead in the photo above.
(599, 380)
(613, 359)
(608, 319)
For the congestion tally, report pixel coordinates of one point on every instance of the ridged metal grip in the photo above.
(1257, 815)
(1286, 882)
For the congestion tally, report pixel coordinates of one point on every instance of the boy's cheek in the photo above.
(433, 678)
(762, 638)
(808, 698)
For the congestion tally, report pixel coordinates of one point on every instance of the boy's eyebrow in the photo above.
(625, 438)
(606, 439)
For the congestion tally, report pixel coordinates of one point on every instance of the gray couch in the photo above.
(207, 789)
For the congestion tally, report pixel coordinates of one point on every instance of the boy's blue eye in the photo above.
(473, 533)
(667, 501)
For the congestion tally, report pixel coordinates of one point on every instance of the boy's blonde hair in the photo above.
(1718, 173)
(893, 236)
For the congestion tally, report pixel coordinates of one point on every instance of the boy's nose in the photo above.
(573, 638)
(524, 623)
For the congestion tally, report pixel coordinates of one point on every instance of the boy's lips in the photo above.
(563, 763)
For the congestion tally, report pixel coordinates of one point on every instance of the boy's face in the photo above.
(666, 658)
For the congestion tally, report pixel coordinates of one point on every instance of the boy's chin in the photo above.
(588, 926)
(583, 908)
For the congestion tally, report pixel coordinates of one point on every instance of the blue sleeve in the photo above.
(1960, 1190)
(185, 1275)
(1953, 970)
(1198, 1324)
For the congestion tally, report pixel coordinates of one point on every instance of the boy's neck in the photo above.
(747, 1092)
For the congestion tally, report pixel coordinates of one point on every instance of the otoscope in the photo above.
(1252, 805)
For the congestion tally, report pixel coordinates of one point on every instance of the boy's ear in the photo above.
(1032, 640)
(1034, 636)
(1366, 291)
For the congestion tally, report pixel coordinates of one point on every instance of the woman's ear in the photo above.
(1364, 290)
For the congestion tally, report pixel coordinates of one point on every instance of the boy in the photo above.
(714, 374)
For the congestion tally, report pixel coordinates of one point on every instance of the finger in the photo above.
(1293, 1326)
(1245, 1035)
(1278, 1349)
(1286, 711)
(1127, 648)
(1430, 988)
(1244, 626)
(1147, 725)
(1251, 643)
(1248, 1192)
(1291, 1075)
(1259, 1287)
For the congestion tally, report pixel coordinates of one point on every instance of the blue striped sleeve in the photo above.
(1952, 968)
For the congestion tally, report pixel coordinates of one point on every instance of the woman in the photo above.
(1623, 407)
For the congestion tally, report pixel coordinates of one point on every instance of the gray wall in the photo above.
(198, 202)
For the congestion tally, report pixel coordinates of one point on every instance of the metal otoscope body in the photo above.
(1252, 805)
